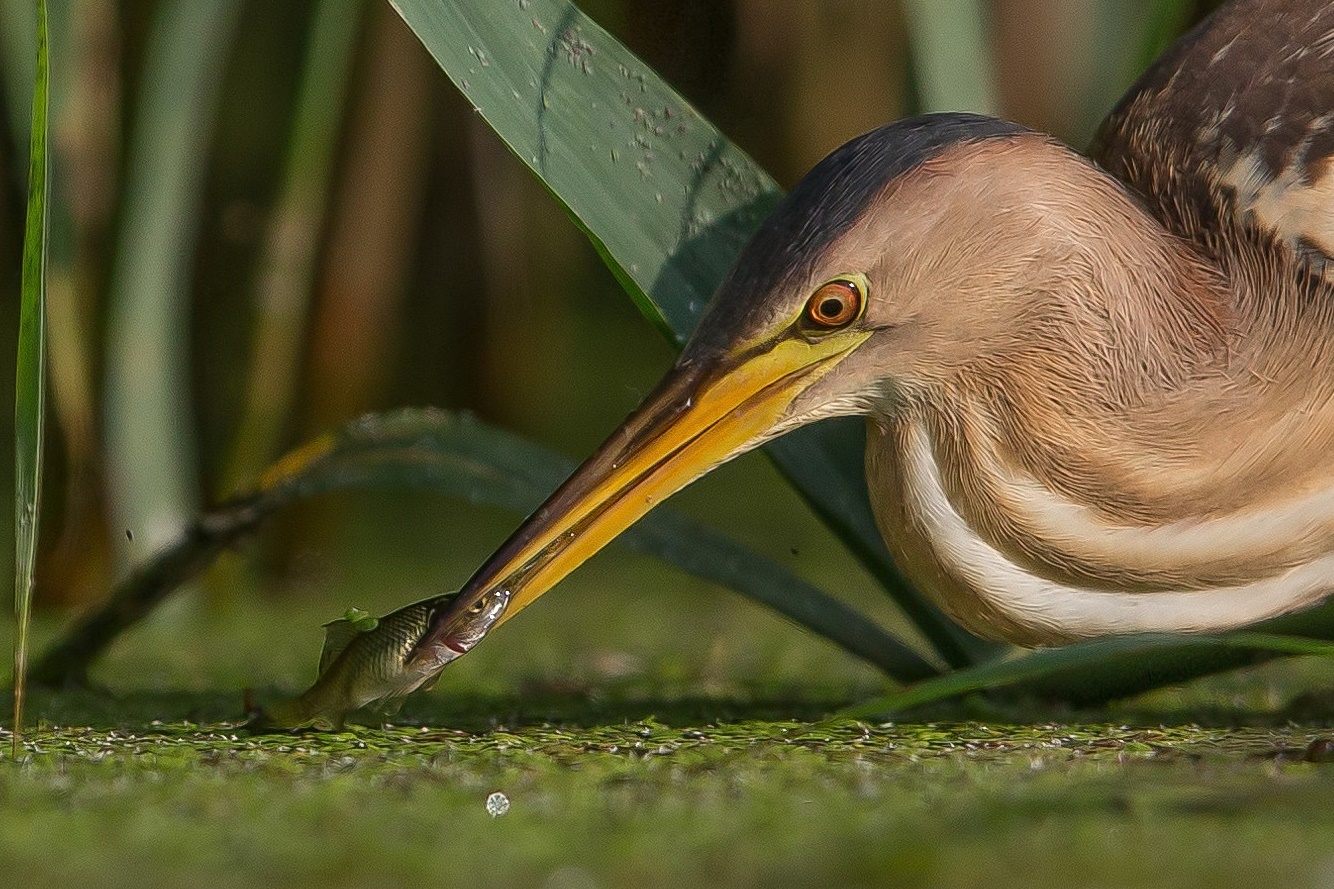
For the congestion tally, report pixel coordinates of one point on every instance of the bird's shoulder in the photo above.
(1231, 131)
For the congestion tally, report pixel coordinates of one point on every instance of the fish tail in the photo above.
(291, 714)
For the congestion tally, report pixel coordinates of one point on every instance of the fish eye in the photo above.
(476, 607)
(835, 303)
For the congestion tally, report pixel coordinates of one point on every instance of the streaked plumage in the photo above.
(1100, 392)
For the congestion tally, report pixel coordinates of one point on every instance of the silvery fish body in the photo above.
(368, 662)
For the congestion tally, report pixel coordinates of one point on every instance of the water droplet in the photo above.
(497, 804)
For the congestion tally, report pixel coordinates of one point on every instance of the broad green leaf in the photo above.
(461, 457)
(666, 199)
(1188, 659)
(30, 378)
(1107, 669)
(150, 452)
(466, 458)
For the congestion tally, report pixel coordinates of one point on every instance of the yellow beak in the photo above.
(700, 415)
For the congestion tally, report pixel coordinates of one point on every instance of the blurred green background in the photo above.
(272, 217)
(244, 255)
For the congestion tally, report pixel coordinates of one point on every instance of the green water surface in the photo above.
(675, 740)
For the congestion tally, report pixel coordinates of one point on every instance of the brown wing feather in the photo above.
(1233, 127)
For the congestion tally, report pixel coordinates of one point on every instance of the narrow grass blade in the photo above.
(461, 457)
(288, 263)
(665, 198)
(951, 65)
(30, 385)
(1103, 670)
(84, 135)
(151, 462)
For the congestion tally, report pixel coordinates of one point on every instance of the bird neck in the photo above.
(1183, 385)
(1152, 459)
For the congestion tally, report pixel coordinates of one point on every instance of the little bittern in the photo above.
(1100, 390)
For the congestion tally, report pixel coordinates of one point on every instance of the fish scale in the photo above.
(375, 666)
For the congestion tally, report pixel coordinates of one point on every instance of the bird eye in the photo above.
(834, 304)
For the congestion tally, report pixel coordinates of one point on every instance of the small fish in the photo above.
(369, 662)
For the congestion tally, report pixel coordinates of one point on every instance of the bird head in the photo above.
(889, 266)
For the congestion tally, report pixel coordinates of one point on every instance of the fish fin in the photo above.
(387, 706)
(329, 722)
(295, 715)
(338, 634)
(391, 702)
(288, 715)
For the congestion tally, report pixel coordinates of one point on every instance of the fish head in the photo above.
(469, 628)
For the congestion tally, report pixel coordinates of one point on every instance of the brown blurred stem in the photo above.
(287, 266)
(85, 140)
(66, 663)
(455, 455)
(1045, 70)
(373, 234)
